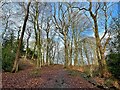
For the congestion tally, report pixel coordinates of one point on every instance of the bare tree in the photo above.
(99, 48)
(62, 25)
(16, 62)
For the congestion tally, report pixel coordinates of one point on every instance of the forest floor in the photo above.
(53, 76)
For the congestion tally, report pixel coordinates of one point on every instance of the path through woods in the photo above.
(54, 76)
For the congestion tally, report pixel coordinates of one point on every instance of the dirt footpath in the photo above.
(54, 76)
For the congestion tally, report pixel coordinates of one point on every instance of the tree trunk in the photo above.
(38, 38)
(86, 53)
(47, 52)
(43, 60)
(34, 51)
(27, 47)
(99, 49)
(66, 50)
(39, 49)
(76, 53)
(81, 54)
(58, 53)
(71, 54)
(16, 62)
(36, 35)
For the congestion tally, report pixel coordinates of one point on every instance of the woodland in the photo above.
(60, 45)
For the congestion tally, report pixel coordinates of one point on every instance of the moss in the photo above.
(73, 73)
(109, 82)
(35, 73)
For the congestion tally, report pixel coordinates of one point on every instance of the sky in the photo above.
(87, 32)
(115, 10)
(64, 0)
(61, 45)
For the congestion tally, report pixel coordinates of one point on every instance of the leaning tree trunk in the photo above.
(101, 58)
(99, 48)
(16, 62)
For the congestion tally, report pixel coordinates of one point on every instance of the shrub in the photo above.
(113, 62)
(8, 55)
(9, 48)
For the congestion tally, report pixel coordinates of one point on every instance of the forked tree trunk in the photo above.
(16, 62)
(99, 48)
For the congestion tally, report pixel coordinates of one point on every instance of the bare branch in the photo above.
(105, 13)
(80, 9)
(96, 11)
(107, 41)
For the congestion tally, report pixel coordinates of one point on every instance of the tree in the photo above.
(62, 25)
(113, 58)
(8, 52)
(115, 33)
(10, 30)
(16, 62)
(48, 41)
(99, 48)
(38, 34)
